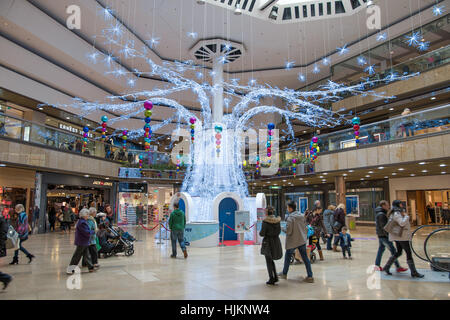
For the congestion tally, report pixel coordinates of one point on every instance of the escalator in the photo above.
(431, 243)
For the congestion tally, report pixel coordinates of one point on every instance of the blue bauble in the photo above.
(270, 126)
(86, 129)
(357, 141)
(141, 157)
(147, 119)
(356, 120)
(104, 119)
(192, 131)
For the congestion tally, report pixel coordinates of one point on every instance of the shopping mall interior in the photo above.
(229, 110)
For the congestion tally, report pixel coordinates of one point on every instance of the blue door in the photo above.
(182, 206)
(227, 207)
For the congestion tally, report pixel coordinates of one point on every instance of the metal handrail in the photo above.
(426, 251)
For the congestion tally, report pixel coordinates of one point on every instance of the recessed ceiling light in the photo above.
(381, 168)
(433, 98)
(391, 109)
(67, 118)
(412, 174)
(394, 174)
(86, 175)
(443, 172)
(344, 174)
(422, 163)
(362, 178)
(321, 177)
(401, 169)
(2, 165)
(351, 170)
(367, 176)
(300, 178)
(325, 173)
(424, 170)
(442, 165)
(106, 178)
(40, 108)
(386, 177)
(370, 171)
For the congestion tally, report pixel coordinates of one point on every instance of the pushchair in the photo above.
(312, 240)
(122, 242)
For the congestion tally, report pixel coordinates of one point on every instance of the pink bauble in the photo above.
(315, 139)
(218, 136)
(148, 105)
(294, 160)
(192, 120)
(356, 133)
(218, 142)
(269, 154)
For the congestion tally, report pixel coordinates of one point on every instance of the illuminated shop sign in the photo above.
(102, 183)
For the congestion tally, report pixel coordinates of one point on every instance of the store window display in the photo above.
(133, 204)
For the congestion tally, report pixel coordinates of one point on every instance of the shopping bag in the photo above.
(13, 240)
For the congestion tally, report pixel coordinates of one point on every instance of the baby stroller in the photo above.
(121, 243)
(312, 240)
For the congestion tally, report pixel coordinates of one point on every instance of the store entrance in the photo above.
(77, 197)
(428, 206)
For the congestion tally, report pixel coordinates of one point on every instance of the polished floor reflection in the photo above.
(213, 273)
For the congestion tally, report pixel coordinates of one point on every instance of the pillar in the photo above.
(339, 183)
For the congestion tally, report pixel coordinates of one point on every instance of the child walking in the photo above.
(271, 244)
(346, 243)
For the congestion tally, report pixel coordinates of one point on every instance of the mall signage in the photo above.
(69, 128)
(102, 183)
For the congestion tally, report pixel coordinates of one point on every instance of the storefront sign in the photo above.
(133, 187)
(69, 128)
(102, 183)
(129, 172)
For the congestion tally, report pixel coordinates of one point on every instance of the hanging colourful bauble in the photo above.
(314, 149)
(294, 167)
(85, 137)
(141, 157)
(356, 122)
(104, 121)
(192, 121)
(257, 165)
(124, 139)
(270, 128)
(218, 130)
(148, 106)
(178, 163)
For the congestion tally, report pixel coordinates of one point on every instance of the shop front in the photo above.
(133, 204)
(57, 190)
(17, 186)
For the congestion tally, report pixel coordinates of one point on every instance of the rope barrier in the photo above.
(229, 227)
(148, 229)
(164, 227)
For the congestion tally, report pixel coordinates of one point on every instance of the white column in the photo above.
(217, 109)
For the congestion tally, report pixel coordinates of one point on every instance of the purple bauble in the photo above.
(148, 105)
(315, 139)
(192, 120)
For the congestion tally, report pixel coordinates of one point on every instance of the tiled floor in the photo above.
(213, 273)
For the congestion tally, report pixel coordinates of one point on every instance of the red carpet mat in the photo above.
(230, 243)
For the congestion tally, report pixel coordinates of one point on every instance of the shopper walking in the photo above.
(401, 234)
(67, 219)
(177, 222)
(315, 220)
(4, 278)
(383, 237)
(431, 213)
(296, 236)
(271, 244)
(93, 239)
(328, 220)
(82, 237)
(52, 217)
(22, 228)
(338, 224)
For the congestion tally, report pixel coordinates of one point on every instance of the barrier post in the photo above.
(223, 235)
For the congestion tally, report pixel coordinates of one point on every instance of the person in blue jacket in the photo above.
(345, 241)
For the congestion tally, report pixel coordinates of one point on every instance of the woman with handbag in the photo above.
(4, 278)
(399, 229)
(22, 228)
(271, 244)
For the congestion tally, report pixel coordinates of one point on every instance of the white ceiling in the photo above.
(36, 29)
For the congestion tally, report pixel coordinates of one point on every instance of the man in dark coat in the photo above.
(339, 223)
(271, 244)
(381, 220)
(4, 278)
